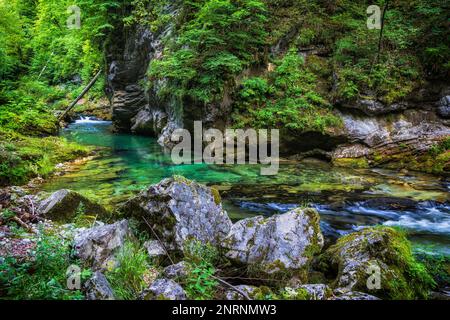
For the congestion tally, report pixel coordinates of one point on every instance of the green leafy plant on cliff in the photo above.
(287, 98)
(220, 39)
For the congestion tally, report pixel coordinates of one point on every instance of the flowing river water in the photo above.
(346, 199)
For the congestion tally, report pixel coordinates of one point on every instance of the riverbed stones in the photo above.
(98, 288)
(377, 261)
(179, 210)
(163, 289)
(98, 246)
(64, 205)
(277, 245)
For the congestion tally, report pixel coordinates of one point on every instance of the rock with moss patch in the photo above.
(178, 210)
(356, 259)
(163, 289)
(98, 288)
(277, 245)
(317, 291)
(66, 204)
(179, 270)
(98, 246)
(235, 295)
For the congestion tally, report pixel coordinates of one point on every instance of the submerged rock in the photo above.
(179, 210)
(377, 261)
(277, 244)
(97, 246)
(164, 289)
(65, 204)
(98, 288)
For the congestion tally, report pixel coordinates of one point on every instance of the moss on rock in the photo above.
(350, 259)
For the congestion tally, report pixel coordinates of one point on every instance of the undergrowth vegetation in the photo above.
(43, 275)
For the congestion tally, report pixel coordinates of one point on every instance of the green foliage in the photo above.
(199, 284)
(43, 277)
(127, 280)
(287, 99)
(22, 158)
(218, 40)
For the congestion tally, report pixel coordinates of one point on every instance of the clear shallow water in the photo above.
(347, 200)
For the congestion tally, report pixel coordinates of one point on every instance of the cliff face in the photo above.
(372, 131)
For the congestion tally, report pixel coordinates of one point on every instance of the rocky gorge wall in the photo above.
(373, 132)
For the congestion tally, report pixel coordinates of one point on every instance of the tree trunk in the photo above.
(88, 87)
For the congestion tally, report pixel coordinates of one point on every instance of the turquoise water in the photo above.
(346, 199)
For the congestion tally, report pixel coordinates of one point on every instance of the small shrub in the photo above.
(128, 279)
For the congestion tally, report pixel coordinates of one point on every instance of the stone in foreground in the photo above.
(164, 289)
(176, 271)
(357, 259)
(98, 288)
(98, 246)
(234, 295)
(64, 204)
(277, 244)
(179, 210)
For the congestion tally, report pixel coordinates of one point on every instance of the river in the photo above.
(346, 199)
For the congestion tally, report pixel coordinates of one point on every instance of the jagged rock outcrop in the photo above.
(179, 210)
(135, 108)
(64, 205)
(277, 245)
(376, 261)
(99, 245)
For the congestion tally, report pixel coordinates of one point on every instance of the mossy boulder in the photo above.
(357, 257)
(179, 210)
(279, 246)
(64, 205)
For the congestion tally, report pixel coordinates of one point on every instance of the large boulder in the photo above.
(179, 210)
(164, 289)
(376, 261)
(66, 204)
(98, 246)
(277, 245)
